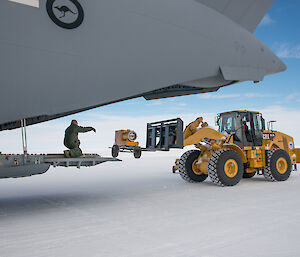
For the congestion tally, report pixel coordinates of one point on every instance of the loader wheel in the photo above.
(115, 151)
(137, 152)
(225, 167)
(279, 165)
(187, 169)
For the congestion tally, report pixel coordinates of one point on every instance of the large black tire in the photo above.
(249, 175)
(274, 171)
(137, 152)
(216, 167)
(185, 167)
(115, 151)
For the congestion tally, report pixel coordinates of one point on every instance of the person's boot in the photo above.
(67, 153)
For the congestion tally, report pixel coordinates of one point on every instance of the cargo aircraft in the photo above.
(61, 57)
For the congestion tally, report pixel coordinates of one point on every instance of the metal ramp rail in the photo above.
(58, 160)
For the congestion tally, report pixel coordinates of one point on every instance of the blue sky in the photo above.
(279, 30)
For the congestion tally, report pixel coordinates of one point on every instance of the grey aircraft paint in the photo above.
(113, 50)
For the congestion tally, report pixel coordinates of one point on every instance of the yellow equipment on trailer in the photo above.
(242, 147)
(125, 141)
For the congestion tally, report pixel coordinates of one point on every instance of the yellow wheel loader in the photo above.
(241, 148)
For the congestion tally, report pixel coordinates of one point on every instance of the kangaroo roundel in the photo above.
(67, 14)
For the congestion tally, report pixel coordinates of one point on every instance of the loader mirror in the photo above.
(217, 120)
(270, 124)
(263, 123)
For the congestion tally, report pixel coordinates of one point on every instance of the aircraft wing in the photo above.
(247, 13)
(118, 50)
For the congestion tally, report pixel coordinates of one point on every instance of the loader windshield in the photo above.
(227, 123)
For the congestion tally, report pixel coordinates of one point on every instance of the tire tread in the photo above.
(182, 169)
(213, 167)
(267, 171)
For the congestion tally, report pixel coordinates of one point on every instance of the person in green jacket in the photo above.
(71, 140)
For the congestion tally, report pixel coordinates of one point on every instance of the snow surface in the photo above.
(138, 208)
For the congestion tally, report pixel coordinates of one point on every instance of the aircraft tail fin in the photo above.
(247, 13)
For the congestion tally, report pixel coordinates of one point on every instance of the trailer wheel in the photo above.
(279, 165)
(225, 167)
(137, 152)
(115, 151)
(187, 169)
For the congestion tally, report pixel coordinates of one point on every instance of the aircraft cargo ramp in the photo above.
(16, 166)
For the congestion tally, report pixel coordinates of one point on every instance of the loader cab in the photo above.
(246, 127)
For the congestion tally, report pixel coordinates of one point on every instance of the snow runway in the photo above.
(139, 208)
